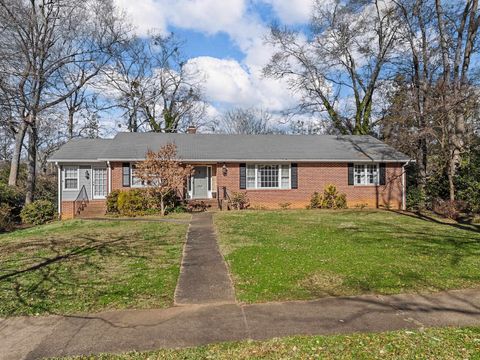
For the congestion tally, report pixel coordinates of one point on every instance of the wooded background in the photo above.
(406, 72)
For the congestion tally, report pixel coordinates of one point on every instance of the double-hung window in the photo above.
(268, 176)
(366, 174)
(70, 177)
(136, 181)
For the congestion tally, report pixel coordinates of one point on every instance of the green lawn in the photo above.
(80, 266)
(448, 343)
(306, 254)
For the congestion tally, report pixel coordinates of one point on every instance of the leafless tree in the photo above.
(434, 101)
(408, 124)
(43, 41)
(338, 69)
(247, 121)
(457, 30)
(155, 88)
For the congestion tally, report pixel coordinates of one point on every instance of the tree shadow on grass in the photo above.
(402, 258)
(63, 277)
(468, 226)
(420, 240)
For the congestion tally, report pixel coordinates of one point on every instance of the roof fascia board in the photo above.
(271, 160)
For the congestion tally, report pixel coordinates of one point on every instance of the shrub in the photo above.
(447, 208)
(37, 213)
(415, 199)
(112, 202)
(14, 198)
(132, 202)
(179, 208)
(315, 201)
(341, 201)
(46, 188)
(285, 205)
(6, 221)
(330, 199)
(197, 206)
(140, 202)
(468, 178)
(239, 200)
(361, 206)
(170, 201)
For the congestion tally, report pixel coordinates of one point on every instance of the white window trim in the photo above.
(355, 183)
(63, 177)
(210, 192)
(132, 185)
(92, 177)
(279, 187)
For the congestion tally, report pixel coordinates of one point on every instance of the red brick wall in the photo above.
(117, 177)
(67, 210)
(314, 177)
(311, 177)
(116, 168)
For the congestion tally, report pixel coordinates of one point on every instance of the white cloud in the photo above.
(231, 84)
(226, 81)
(145, 15)
(292, 11)
(209, 16)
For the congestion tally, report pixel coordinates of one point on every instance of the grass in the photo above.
(88, 266)
(447, 343)
(171, 216)
(307, 254)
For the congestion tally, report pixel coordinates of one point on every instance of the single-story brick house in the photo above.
(272, 169)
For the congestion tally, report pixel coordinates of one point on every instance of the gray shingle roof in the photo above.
(221, 147)
(81, 150)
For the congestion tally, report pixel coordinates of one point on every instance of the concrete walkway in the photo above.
(204, 277)
(121, 331)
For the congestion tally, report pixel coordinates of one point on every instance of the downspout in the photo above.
(59, 185)
(109, 183)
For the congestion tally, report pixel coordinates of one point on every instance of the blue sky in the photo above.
(225, 41)
(218, 45)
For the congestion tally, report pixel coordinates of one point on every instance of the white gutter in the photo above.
(74, 161)
(202, 161)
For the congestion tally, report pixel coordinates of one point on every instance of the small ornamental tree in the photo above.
(163, 173)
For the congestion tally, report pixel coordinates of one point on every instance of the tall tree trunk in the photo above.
(32, 163)
(422, 164)
(162, 204)
(17, 152)
(452, 169)
(70, 124)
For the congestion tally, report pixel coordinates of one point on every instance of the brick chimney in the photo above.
(191, 130)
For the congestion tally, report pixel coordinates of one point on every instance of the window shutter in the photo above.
(126, 175)
(243, 176)
(350, 174)
(294, 174)
(383, 174)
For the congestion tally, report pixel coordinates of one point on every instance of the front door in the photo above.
(99, 183)
(200, 182)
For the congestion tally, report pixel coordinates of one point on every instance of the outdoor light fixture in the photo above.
(224, 169)
(87, 175)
